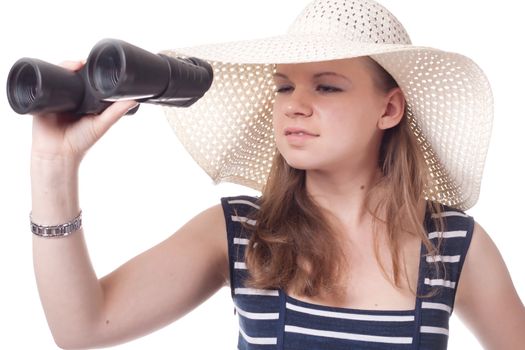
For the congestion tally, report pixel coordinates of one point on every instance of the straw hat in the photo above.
(229, 131)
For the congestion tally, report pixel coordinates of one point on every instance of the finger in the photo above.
(72, 65)
(111, 114)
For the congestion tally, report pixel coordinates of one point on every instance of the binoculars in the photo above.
(114, 70)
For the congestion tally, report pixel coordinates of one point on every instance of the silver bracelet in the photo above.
(61, 230)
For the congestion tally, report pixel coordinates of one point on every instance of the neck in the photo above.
(343, 193)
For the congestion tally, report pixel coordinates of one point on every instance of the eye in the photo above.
(328, 88)
(283, 89)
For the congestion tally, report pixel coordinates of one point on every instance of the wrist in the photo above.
(54, 159)
(60, 230)
(54, 190)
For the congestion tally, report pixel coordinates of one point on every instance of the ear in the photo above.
(394, 109)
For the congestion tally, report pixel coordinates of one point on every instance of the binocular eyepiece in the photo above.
(115, 70)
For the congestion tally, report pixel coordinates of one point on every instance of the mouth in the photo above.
(298, 132)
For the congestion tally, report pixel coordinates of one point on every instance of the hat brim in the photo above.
(229, 131)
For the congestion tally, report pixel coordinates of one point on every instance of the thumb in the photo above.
(111, 115)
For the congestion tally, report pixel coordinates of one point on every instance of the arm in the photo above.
(486, 299)
(146, 293)
(149, 291)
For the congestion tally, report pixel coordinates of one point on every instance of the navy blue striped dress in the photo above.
(271, 319)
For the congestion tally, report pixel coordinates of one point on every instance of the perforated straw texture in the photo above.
(229, 131)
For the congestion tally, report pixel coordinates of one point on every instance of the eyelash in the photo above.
(322, 88)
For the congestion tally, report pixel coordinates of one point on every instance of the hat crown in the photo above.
(355, 20)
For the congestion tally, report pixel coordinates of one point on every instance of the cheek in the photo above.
(277, 126)
(348, 119)
(352, 128)
(361, 114)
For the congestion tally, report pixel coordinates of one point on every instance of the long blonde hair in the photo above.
(294, 245)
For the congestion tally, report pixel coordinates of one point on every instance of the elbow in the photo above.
(75, 341)
(66, 345)
(70, 344)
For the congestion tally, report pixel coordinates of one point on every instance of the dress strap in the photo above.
(238, 213)
(439, 275)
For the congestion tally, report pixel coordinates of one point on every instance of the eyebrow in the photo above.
(315, 76)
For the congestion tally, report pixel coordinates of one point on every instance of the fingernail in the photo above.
(131, 109)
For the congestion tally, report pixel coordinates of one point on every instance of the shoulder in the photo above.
(483, 256)
(482, 243)
(207, 229)
(482, 261)
(486, 294)
(236, 209)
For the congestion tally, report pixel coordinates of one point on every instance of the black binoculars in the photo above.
(114, 70)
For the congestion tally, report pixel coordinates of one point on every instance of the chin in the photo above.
(302, 164)
(301, 159)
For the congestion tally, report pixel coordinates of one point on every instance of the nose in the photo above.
(297, 104)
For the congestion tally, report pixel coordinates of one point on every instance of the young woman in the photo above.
(367, 151)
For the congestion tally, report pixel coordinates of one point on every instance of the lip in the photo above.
(298, 132)
(298, 137)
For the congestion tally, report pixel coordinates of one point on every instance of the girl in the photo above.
(367, 150)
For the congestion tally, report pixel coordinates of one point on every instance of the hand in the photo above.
(65, 136)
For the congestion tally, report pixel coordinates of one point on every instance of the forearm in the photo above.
(69, 289)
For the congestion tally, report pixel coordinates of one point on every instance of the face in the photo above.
(327, 114)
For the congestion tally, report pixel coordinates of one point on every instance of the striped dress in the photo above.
(271, 319)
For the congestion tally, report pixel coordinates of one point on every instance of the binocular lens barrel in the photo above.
(118, 70)
(109, 69)
(24, 93)
(35, 85)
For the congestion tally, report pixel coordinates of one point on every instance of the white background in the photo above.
(138, 185)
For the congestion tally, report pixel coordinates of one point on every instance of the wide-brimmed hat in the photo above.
(229, 131)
